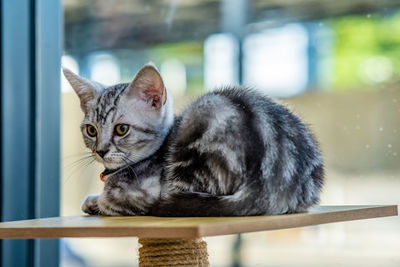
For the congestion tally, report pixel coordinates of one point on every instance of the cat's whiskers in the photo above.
(79, 161)
(77, 155)
(80, 164)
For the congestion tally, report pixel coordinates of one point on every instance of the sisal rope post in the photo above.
(173, 252)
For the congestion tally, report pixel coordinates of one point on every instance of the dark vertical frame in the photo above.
(30, 122)
(48, 25)
(16, 128)
(312, 56)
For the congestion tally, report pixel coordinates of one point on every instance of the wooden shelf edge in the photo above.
(93, 227)
(304, 219)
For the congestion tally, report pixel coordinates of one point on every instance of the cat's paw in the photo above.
(90, 205)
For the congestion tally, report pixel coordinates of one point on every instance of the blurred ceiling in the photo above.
(92, 25)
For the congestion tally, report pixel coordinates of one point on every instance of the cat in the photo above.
(232, 152)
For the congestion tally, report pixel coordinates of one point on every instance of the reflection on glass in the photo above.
(337, 69)
(276, 60)
(220, 61)
(104, 68)
(70, 63)
(173, 72)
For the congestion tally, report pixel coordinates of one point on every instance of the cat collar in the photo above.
(105, 173)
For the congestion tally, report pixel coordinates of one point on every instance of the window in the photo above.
(334, 63)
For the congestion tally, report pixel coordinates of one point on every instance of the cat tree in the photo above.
(177, 241)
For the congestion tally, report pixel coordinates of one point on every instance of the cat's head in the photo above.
(127, 122)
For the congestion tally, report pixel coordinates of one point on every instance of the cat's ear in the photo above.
(149, 86)
(84, 88)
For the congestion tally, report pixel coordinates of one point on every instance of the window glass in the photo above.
(335, 63)
(276, 60)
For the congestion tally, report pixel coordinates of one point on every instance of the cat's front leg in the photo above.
(129, 197)
(101, 205)
(90, 205)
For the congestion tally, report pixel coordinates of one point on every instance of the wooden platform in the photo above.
(156, 227)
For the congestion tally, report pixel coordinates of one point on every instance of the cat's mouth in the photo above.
(111, 163)
(115, 160)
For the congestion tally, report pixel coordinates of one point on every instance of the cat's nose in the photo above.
(102, 153)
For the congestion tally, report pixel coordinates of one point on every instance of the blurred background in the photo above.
(334, 63)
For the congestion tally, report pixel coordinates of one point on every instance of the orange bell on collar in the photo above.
(106, 172)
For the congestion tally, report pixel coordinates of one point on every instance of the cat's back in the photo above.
(239, 143)
(224, 106)
(218, 138)
(223, 116)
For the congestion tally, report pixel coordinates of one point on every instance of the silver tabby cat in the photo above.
(232, 152)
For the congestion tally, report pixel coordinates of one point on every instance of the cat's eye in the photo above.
(121, 129)
(91, 130)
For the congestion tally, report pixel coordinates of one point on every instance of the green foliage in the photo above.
(360, 38)
(189, 53)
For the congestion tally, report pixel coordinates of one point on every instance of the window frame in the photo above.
(30, 124)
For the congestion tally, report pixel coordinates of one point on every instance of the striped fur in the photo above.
(232, 152)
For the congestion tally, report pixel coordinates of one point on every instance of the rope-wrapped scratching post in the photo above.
(172, 252)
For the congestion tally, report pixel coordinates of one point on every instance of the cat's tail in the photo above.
(195, 204)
